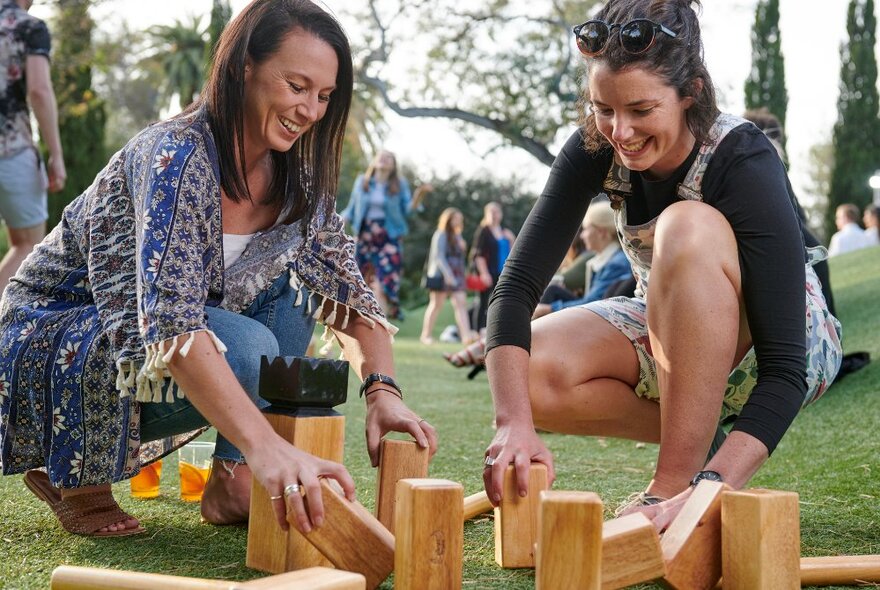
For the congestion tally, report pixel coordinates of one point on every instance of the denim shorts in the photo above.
(23, 201)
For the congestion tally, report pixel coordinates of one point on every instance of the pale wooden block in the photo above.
(269, 548)
(569, 554)
(398, 459)
(313, 578)
(692, 543)
(631, 552)
(352, 538)
(760, 540)
(840, 570)
(516, 519)
(476, 504)
(429, 539)
(69, 577)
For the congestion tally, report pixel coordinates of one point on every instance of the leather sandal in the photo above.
(83, 514)
(470, 356)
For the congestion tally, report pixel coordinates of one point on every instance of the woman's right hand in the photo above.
(486, 278)
(516, 443)
(279, 464)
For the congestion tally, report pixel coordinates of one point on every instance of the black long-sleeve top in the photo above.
(745, 181)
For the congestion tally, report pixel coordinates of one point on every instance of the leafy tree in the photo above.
(856, 136)
(221, 12)
(765, 86)
(81, 113)
(507, 66)
(180, 50)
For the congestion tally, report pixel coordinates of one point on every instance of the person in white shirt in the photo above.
(849, 236)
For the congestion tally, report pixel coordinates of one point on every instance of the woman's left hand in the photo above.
(386, 413)
(662, 514)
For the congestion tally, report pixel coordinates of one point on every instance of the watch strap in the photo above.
(380, 378)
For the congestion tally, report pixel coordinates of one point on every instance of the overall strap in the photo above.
(691, 188)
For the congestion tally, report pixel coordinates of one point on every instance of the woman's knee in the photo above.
(691, 227)
(245, 353)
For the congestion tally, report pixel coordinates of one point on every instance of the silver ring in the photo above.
(273, 498)
(490, 461)
(291, 489)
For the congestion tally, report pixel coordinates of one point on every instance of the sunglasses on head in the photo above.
(636, 36)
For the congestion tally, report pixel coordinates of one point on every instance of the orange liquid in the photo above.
(145, 484)
(192, 481)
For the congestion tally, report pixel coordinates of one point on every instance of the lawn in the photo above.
(830, 456)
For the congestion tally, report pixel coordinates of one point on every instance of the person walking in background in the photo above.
(871, 219)
(24, 60)
(491, 247)
(849, 236)
(608, 266)
(377, 210)
(444, 275)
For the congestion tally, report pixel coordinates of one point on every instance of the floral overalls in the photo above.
(629, 315)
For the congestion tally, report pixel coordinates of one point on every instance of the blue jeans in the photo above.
(271, 326)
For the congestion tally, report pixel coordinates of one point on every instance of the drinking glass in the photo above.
(145, 484)
(194, 466)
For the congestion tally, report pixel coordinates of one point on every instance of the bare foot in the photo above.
(129, 523)
(426, 340)
(227, 499)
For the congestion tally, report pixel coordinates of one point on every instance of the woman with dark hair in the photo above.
(377, 210)
(209, 240)
(489, 251)
(733, 326)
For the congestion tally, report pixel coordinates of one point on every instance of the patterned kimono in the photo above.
(127, 274)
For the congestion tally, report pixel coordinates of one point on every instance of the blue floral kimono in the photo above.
(126, 274)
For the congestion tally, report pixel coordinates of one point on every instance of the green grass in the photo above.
(831, 457)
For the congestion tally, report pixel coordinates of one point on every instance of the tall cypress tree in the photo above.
(765, 86)
(856, 137)
(81, 114)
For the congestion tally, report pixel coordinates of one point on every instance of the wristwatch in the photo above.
(710, 475)
(379, 377)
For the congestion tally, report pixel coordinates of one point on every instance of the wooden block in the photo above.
(692, 543)
(760, 540)
(352, 538)
(313, 578)
(398, 459)
(516, 519)
(631, 552)
(68, 577)
(476, 504)
(569, 554)
(429, 535)
(840, 570)
(269, 548)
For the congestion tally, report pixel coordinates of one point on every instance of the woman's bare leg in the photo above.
(582, 373)
(697, 333)
(459, 307)
(435, 304)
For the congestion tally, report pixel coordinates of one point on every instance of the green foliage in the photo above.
(765, 86)
(221, 12)
(856, 136)
(180, 50)
(829, 456)
(81, 113)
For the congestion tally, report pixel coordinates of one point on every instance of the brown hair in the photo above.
(678, 60)
(304, 178)
(393, 178)
(444, 223)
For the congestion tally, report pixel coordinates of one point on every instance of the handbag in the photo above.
(436, 283)
(473, 282)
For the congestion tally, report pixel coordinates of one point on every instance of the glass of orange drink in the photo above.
(145, 484)
(194, 466)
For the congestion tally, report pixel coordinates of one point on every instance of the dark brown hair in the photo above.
(444, 224)
(305, 177)
(678, 60)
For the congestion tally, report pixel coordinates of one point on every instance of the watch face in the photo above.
(710, 475)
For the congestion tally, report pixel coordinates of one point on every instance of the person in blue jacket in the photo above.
(380, 202)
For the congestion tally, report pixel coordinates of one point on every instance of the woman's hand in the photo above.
(518, 444)
(279, 464)
(486, 278)
(385, 413)
(662, 514)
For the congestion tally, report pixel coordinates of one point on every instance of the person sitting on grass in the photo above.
(728, 321)
(209, 240)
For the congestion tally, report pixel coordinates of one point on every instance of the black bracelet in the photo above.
(381, 378)
(372, 391)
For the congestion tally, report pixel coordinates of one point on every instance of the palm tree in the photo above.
(180, 50)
